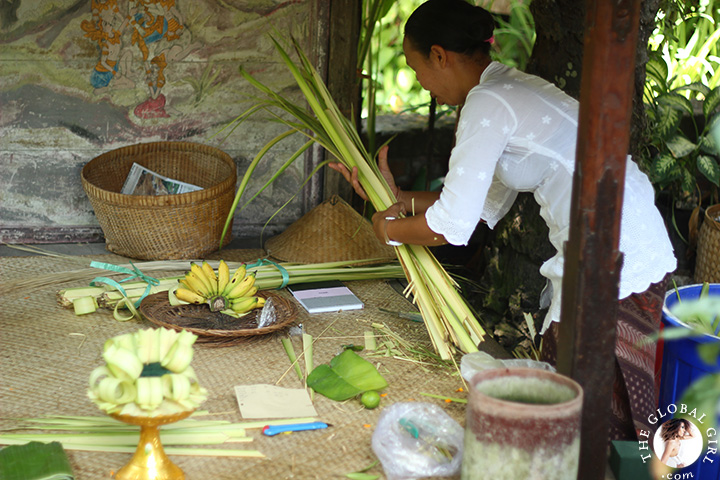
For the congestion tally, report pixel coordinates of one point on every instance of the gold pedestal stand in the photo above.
(150, 461)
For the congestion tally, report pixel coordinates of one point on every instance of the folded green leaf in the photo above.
(35, 460)
(357, 371)
(326, 382)
(347, 375)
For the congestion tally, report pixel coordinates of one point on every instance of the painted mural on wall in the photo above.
(81, 77)
(150, 23)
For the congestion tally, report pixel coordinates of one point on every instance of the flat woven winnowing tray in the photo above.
(216, 328)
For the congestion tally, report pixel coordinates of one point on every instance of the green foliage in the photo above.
(514, 36)
(687, 38)
(391, 85)
(388, 77)
(704, 396)
(347, 375)
(703, 317)
(683, 85)
(677, 156)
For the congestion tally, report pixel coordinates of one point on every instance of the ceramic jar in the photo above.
(522, 423)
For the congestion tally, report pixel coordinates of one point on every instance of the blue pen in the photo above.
(271, 430)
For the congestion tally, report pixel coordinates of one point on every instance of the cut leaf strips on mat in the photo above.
(267, 276)
(448, 318)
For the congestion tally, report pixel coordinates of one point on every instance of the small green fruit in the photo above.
(370, 399)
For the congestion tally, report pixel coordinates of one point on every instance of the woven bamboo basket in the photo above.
(707, 262)
(162, 227)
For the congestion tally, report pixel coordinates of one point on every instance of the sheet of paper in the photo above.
(271, 401)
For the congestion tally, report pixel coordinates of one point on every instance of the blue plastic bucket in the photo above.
(681, 366)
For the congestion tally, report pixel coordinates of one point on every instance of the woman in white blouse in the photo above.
(517, 133)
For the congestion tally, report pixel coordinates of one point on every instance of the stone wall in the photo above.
(79, 78)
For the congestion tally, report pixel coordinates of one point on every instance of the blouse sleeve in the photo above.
(470, 189)
(498, 202)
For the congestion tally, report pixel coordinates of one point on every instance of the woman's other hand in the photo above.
(352, 176)
(380, 220)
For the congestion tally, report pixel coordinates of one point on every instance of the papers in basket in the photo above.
(143, 181)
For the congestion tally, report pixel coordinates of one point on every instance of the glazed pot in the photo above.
(522, 423)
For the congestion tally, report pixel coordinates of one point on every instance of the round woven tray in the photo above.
(215, 328)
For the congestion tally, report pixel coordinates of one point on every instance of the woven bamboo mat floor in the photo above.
(47, 354)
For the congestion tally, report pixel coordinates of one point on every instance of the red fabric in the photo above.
(637, 381)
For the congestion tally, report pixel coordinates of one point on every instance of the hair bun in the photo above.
(456, 25)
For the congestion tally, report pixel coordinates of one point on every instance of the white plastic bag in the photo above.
(474, 362)
(415, 439)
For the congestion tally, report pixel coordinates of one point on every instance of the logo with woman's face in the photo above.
(678, 443)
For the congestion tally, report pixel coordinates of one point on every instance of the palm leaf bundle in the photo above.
(447, 316)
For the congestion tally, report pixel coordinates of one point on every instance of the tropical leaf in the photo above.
(703, 393)
(687, 180)
(657, 71)
(347, 375)
(709, 352)
(712, 101)
(702, 396)
(680, 146)
(667, 120)
(373, 12)
(714, 123)
(665, 168)
(714, 133)
(707, 145)
(709, 167)
(694, 87)
(676, 101)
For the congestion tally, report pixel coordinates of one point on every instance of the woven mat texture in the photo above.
(47, 354)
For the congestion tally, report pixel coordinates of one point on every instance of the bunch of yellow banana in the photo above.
(147, 373)
(219, 290)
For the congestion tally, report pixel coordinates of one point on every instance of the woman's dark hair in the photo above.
(455, 25)
(671, 428)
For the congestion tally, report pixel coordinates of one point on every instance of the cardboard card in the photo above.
(271, 401)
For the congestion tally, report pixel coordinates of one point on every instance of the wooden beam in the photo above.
(343, 79)
(586, 350)
(320, 27)
(335, 27)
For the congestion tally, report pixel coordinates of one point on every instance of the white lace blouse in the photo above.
(517, 133)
